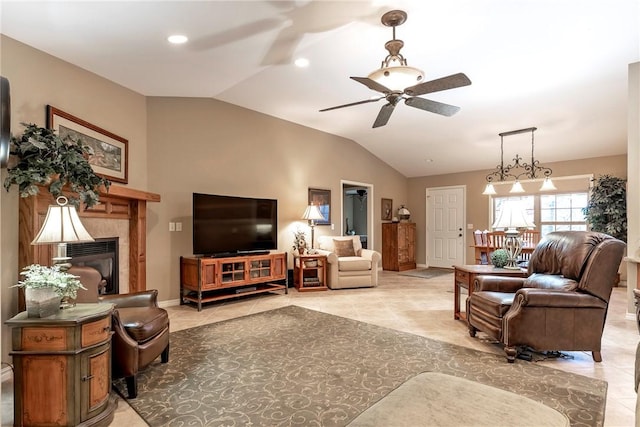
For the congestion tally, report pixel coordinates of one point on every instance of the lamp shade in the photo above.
(397, 77)
(516, 188)
(489, 190)
(547, 185)
(61, 225)
(312, 213)
(512, 215)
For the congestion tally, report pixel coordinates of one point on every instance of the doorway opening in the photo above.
(357, 211)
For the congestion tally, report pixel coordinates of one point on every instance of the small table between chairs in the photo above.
(465, 275)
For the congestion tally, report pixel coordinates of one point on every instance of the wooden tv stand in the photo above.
(206, 279)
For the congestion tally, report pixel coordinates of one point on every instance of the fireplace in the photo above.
(102, 254)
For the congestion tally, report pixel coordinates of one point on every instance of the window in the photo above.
(562, 212)
(551, 212)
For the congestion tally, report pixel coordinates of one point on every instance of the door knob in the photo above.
(460, 235)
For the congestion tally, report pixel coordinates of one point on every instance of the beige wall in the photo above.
(207, 146)
(477, 205)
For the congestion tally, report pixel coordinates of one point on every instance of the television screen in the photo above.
(233, 225)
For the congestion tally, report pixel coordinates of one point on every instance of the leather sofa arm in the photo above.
(135, 299)
(124, 350)
(498, 283)
(534, 297)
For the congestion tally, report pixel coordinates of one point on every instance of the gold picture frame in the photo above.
(322, 199)
(386, 212)
(110, 151)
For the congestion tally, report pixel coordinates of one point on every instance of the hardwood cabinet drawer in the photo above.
(96, 332)
(462, 277)
(45, 339)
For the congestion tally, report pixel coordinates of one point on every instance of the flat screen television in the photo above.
(228, 225)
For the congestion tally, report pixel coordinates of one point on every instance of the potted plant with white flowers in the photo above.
(45, 287)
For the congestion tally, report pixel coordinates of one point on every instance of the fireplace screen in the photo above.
(102, 254)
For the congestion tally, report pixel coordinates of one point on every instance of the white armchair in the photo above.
(349, 265)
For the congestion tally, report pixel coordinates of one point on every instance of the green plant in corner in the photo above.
(40, 157)
(606, 211)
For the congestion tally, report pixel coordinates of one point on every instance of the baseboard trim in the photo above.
(169, 303)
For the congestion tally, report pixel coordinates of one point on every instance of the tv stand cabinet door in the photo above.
(198, 274)
(279, 266)
(208, 274)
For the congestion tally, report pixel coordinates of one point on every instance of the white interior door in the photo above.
(445, 228)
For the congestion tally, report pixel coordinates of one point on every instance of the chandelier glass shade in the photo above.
(397, 78)
(519, 169)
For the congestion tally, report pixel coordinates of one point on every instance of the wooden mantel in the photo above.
(118, 203)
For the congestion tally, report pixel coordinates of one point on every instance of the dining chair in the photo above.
(480, 244)
(529, 238)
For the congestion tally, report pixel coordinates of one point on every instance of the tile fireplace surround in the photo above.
(121, 212)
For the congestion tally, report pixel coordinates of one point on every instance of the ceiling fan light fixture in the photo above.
(397, 78)
(396, 81)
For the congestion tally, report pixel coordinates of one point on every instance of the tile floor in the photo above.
(422, 307)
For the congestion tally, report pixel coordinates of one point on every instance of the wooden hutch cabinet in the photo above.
(398, 246)
(62, 364)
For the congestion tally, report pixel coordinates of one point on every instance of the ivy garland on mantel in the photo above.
(41, 158)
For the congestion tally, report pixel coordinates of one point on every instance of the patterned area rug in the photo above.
(427, 273)
(294, 366)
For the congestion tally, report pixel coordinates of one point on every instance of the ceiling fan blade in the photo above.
(432, 106)
(353, 103)
(450, 82)
(372, 84)
(383, 115)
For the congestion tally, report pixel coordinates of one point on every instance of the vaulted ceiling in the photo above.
(560, 66)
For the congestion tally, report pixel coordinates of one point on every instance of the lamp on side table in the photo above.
(312, 214)
(512, 216)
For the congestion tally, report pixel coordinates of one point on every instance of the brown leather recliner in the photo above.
(91, 279)
(561, 305)
(141, 334)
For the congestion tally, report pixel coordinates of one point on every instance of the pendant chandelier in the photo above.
(518, 169)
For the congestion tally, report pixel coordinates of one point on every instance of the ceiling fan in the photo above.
(397, 81)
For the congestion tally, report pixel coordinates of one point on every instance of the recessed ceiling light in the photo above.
(302, 62)
(177, 39)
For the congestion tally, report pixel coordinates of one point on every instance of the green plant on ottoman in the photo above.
(499, 258)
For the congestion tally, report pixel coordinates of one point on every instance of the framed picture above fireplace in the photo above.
(110, 151)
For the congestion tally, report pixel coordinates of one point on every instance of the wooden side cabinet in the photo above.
(62, 367)
(310, 272)
(398, 246)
